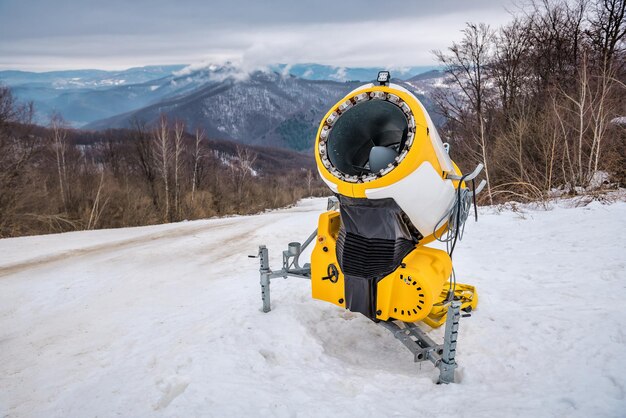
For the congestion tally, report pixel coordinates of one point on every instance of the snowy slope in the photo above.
(165, 321)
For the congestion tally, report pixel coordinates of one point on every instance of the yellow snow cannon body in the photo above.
(396, 190)
(379, 152)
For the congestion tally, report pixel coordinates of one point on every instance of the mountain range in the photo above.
(278, 106)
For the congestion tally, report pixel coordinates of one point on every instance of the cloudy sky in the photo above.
(114, 34)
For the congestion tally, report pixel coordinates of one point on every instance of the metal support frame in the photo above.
(425, 349)
(291, 267)
(409, 334)
(291, 261)
(469, 177)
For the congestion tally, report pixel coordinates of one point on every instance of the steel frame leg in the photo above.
(290, 268)
(264, 271)
(447, 365)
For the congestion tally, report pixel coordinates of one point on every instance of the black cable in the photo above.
(458, 215)
(457, 228)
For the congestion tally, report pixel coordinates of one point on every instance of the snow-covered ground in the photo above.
(166, 321)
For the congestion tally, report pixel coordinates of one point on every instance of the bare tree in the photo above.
(145, 158)
(59, 144)
(466, 66)
(510, 67)
(579, 101)
(309, 180)
(608, 28)
(163, 155)
(584, 116)
(555, 29)
(97, 208)
(111, 152)
(241, 169)
(197, 156)
(606, 95)
(17, 149)
(179, 131)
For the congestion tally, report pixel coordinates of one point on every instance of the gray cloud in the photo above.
(42, 35)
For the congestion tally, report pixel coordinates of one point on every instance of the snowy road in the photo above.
(166, 321)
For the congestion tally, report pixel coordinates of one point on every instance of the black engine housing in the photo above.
(374, 238)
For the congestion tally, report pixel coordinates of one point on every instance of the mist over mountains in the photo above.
(277, 106)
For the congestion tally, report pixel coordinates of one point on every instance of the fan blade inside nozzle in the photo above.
(380, 157)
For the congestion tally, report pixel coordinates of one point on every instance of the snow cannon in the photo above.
(395, 189)
(378, 150)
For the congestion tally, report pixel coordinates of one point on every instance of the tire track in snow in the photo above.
(241, 222)
(10, 269)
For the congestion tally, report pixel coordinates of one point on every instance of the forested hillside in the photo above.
(60, 179)
(541, 100)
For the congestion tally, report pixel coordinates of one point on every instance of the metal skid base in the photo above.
(425, 349)
(409, 334)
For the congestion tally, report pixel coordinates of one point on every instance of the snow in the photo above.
(165, 321)
(620, 120)
(599, 179)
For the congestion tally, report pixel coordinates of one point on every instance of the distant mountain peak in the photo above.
(275, 105)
